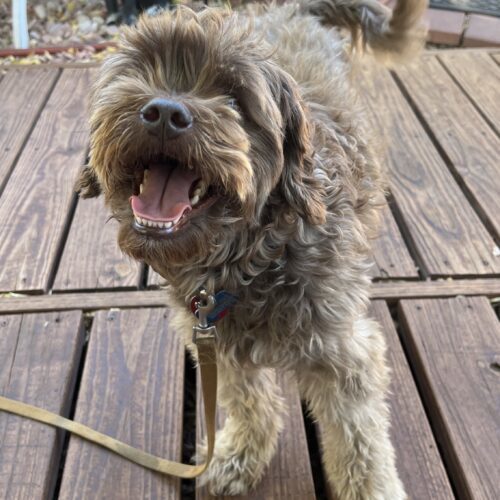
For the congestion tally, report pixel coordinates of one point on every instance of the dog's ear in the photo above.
(87, 185)
(300, 188)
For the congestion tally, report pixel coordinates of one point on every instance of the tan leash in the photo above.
(204, 338)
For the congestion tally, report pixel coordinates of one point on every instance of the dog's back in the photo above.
(309, 41)
(394, 36)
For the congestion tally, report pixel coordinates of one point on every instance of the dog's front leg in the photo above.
(247, 442)
(346, 391)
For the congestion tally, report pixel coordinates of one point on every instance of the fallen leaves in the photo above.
(59, 22)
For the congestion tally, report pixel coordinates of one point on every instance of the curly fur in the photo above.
(300, 189)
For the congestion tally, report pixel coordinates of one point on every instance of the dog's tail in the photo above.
(391, 37)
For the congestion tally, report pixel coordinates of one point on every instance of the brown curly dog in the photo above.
(230, 148)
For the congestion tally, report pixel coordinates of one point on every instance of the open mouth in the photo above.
(167, 195)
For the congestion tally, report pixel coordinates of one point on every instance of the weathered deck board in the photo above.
(91, 258)
(156, 298)
(289, 474)
(448, 235)
(87, 301)
(440, 288)
(479, 77)
(453, 344)
(23, 95)
(132, 389)
(154, 279)
(467, 140)
(417, 456)
(36, 202)
(392, 259)
(39, 356)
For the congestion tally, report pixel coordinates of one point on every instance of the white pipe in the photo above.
(20, 24)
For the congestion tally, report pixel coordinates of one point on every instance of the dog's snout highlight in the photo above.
(167, 117)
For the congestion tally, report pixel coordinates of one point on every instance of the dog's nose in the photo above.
(167, 117)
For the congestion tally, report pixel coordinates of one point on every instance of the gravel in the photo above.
(59, 22)
(66, 23)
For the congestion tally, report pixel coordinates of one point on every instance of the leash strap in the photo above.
(205, 343)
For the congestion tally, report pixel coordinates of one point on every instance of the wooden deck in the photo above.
(83, 330)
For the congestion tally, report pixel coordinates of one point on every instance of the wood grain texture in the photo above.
(86, 301)
(35, 205)
(467, 140)
(64, 65)
(39, 356)
(454, 346)
(23, 95)
(154, 279)
(392, 259)
(440, 288)
(496, 57)
(131, 389)
(91, 258)
(447, 234)
(289, 474)
(479, 76)
(418, 460)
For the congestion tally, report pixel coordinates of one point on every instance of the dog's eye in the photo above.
(233, 103)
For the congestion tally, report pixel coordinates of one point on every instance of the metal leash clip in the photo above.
(203, 332)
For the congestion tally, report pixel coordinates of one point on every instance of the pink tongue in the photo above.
(165, 194)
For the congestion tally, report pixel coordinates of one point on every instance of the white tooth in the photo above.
(168, 224)
(197, 185)
(148, 223)
(194, 200)
(141, 187)
(197, 192)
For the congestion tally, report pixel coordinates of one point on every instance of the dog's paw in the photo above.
(230, 473)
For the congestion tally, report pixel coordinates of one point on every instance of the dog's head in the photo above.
(193, 131)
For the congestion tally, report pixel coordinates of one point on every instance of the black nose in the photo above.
(163, 116)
